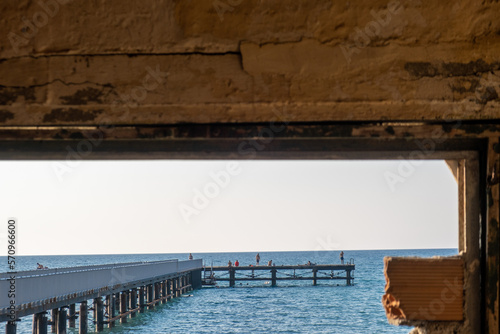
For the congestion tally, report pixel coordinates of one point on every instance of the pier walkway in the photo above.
(118, 291)
(280, 273)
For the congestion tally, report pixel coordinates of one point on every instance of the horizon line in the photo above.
(251, 251)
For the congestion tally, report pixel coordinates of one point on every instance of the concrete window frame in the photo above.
(471, 152)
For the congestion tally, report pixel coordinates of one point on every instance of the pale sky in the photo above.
(112, 207)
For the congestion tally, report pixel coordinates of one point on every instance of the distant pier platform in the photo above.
(273, 274)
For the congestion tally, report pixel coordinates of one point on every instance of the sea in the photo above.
(256, 307)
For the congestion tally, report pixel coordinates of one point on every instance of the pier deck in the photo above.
(123, 289)
(282, 273)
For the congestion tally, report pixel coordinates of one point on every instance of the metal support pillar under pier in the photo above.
(169, 289)
(83, 323)
(315, 273)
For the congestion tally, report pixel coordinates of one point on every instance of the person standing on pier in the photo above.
(342, 257)
(257, 258)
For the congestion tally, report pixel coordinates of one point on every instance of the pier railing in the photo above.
(41, 272)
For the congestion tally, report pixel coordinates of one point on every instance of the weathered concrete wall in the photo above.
(90, 62)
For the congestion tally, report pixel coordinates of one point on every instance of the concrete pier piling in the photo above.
(53, 320)
(117, 302)
(62, 320)
(156, 291)
(231, 277)
(99, 314)
(94, 311)
(273, 277)
(174, 288)
(11, 327)
(142, 304)
(123, 307)
(40, 323)
(72, 316)
(169, 289)
(83, 323)
(150, 295)
(164, 291)
(110, 305)
(133, 302)
(41, 326)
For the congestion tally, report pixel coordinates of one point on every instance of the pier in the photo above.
(275, 273)
(116, 292)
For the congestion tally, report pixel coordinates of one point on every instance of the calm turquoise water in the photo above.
(292, 307)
